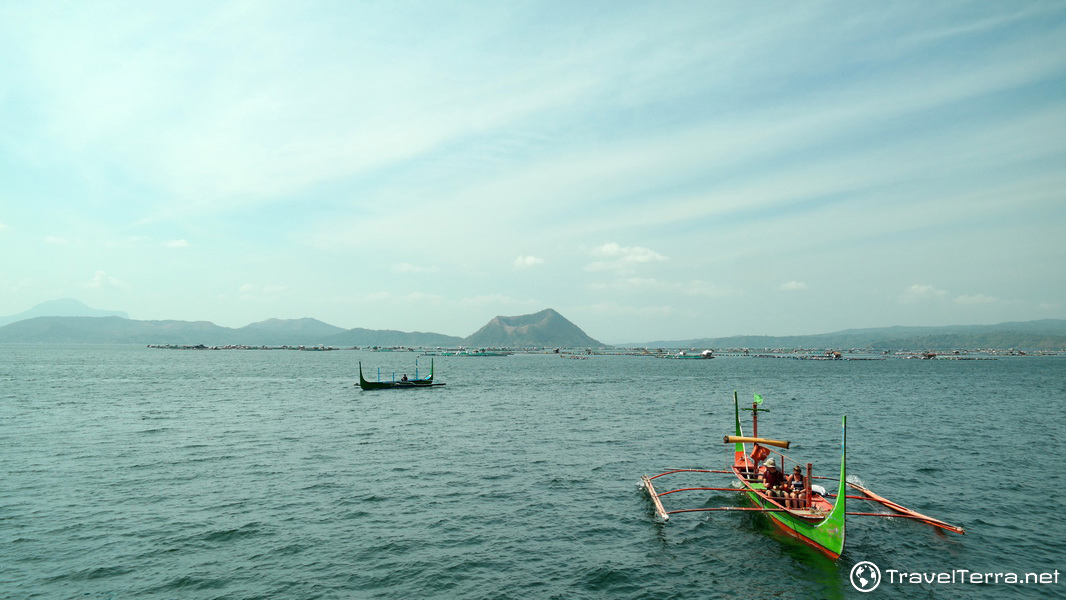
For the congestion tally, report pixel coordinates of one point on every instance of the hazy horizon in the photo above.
(651, 340)
(651, 172)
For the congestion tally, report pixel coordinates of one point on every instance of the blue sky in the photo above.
(650, 170)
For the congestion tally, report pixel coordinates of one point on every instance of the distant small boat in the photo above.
(482, 352)
(397, 384)
(682, 354)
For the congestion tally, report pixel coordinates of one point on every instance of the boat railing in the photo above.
(394, 379)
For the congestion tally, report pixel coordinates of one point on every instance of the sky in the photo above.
(651, 171)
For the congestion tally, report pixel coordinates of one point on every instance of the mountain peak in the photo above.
(544, 328)
(63, 307)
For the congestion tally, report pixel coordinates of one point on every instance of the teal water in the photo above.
(130, 472)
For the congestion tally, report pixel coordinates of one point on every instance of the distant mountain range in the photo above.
(88, 326)
(71, 322)
(1046, 334)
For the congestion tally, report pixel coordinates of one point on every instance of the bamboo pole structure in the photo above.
(740, 439)
(807, 486)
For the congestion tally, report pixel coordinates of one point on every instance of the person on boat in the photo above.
(772, 479)
(404, 378)
(795, 494)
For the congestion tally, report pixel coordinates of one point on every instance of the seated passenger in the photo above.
(795, 489)
(772, 479)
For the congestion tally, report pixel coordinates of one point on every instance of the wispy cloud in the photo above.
(921, 293)
(528, 261)
(621, 259)
(976, 299)
(103, 281)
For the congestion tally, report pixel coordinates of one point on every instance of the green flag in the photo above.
(758, 399)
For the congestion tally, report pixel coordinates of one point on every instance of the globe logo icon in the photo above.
(865, 576)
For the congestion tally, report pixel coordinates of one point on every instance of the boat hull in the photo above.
(396, 385)
(823, 534)
(424, 382)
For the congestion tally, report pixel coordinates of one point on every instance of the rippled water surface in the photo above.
(140, 473)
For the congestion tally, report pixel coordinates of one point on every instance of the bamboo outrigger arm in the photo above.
(659, 510)
(906, 512)
(739, 439)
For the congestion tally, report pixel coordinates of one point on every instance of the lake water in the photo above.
(130, 472)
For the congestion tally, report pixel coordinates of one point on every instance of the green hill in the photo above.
(389, 337)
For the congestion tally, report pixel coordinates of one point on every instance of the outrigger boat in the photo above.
(398, 384)
(810, 515)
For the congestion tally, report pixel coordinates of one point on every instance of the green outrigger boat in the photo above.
(398, 384)
(806, 513)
